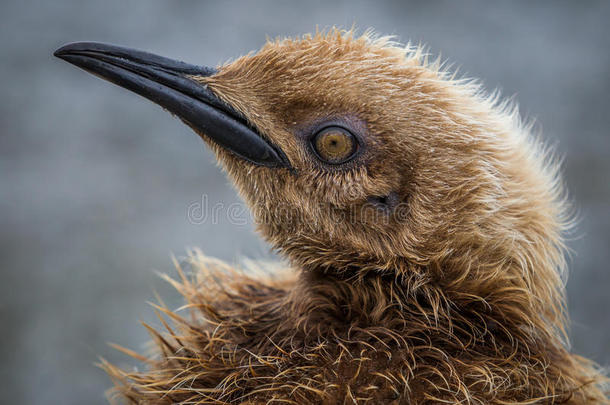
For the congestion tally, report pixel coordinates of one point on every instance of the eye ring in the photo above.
(334, 145)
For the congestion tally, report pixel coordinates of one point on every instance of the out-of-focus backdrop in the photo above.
(96, 182)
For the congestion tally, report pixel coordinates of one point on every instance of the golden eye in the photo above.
(335, 145)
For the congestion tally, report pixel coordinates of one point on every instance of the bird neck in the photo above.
(420, 300)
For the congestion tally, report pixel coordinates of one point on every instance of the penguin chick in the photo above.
(421, 221)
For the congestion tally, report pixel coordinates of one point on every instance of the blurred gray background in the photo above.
(95, 182)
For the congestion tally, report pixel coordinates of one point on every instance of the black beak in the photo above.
(167, 82)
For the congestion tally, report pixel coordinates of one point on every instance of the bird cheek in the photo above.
(385, 203)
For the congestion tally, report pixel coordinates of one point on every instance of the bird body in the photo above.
(421, 223)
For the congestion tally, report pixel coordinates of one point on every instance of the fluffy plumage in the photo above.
(427, 270)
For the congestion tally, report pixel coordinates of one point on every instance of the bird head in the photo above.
(357, 155)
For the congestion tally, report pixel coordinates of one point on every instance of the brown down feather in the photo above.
(453, 295)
